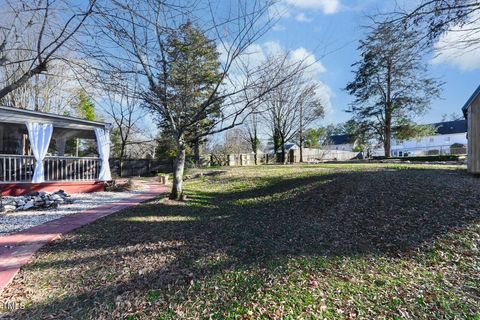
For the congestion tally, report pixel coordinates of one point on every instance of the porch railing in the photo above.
(15, 168)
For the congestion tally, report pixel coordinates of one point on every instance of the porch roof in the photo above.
(63, 125)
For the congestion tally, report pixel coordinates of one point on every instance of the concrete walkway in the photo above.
(17, 249)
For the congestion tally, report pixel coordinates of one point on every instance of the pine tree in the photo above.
(391, 84)
(85, 106)
(187, 88)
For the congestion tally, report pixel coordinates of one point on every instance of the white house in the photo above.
(448, 133)
(341, 142)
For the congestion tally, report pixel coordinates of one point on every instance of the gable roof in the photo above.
(474, 96)
(341, 139)
(450, 127)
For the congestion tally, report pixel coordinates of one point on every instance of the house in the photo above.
(471, 111)
(450, 138)
(27, 137)
(288, 146)
(342, 142)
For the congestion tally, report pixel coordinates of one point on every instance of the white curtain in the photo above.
(103, 142)
(39, 135)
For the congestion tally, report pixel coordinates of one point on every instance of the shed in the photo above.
(471, 111)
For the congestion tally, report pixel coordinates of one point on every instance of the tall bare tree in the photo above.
(251, 133)
(125, 111)
(140, 32)
(33, 33)
(292, 107)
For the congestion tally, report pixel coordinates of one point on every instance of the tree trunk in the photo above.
(254, 144)
(122, 156)
(196, 150)
(388, 112)
(178, 168)
(283, 150)
(301, 133)
(301, 146)
(388, 136)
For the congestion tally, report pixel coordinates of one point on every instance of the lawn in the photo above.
(274, 242)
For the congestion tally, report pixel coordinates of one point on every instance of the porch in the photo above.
(33, 153)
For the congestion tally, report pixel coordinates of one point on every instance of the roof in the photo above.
(288, 146)
(9, 115)
(450, 127)
(64, 126)
(474, 96)
(341, 139)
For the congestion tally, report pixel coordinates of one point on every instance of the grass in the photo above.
(274, 242)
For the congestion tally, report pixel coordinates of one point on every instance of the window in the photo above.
(447, 139)
(431, 139)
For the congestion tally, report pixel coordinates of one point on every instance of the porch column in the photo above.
(1, 139)
(103, 142)
(39, 135)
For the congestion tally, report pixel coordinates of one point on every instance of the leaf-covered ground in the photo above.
(274, 242)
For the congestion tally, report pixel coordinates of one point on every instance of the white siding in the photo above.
(341, 147)
(441, 142)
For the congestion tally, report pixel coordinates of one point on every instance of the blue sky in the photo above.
(330, 30)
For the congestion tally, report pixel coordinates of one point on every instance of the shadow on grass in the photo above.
(384, 212)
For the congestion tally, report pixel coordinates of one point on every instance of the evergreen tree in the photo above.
(314, 137)
(85, 109)
(391, 84)
(186, 92)
(85, 106)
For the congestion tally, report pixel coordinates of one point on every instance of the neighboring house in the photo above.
(448, 133)
(342, 142)
(471, 111)
(288, 146)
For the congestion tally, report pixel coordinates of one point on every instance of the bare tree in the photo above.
(251, 133)
(33, 33)
(310, 110)
(291, 108)
(433, 18)
(53, 91)
(140, 32)
(124, 109)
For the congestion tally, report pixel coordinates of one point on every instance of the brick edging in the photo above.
(16, 250)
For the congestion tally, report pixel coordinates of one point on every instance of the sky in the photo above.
(328, 31)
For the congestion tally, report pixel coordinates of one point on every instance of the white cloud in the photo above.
(278, 27)
(327, 6)
(301, 17)
(314, 66)
(273, 48)
(256, 54)
(460, 47)
(325, 94)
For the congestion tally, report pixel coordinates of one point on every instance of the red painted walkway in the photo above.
(17, 249)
